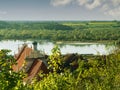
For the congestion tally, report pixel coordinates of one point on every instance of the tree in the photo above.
(55, 60)
(8, 78)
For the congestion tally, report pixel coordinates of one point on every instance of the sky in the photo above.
(59, 10)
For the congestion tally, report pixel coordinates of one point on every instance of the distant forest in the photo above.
(61, 30)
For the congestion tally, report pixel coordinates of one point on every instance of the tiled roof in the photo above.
(36, 67)
(33, 65)
(20, 57)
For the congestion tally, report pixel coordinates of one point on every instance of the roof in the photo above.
(21, 56)
(33, 65)
(35, 68)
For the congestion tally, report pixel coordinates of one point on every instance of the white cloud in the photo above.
(105, 7)
(114, 12)
(108, 7)
(93, 5)
(60, 2)
(89, 4)
(112, 8)
(82, 2)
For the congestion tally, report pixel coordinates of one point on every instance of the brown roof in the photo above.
(36, 67)
(21, 56)
(33, 65)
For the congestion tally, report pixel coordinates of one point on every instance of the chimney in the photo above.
(35, 45)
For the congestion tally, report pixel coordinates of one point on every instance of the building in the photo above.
(31, 60)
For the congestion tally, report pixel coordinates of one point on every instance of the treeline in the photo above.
(29, 25)
(61, 31)
(74, 35)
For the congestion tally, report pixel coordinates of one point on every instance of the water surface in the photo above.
(80, 48)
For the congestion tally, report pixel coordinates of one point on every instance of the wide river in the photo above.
(80, 48)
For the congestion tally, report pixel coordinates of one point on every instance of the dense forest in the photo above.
(61, 30)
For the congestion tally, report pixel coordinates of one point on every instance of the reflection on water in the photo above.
(80, 48)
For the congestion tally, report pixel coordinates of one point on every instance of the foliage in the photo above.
(30, 25)
(9, 80)
(97, 74)
(55, 60)
(56, 81)
(61, 31)
(101, 73)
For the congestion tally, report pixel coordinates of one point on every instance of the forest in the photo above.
(85, 31)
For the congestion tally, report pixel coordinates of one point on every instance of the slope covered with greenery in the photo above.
(101, 73)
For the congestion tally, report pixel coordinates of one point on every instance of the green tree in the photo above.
(9, 79)
(55, 59)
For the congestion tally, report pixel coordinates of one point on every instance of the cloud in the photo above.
(60, 2)
(94, 4)
(114, 12)
(89, 4)
(112, 8)
(105, 7)
(108, 7)
(116, 2)
(82, 2)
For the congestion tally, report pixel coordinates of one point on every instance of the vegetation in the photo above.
(9, 80)
(61, 31)
(95, 74)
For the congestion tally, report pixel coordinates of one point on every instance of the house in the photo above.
(31, 60)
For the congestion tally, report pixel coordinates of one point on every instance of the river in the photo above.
(45, 46)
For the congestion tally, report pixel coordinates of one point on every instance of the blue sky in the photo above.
(60, 10)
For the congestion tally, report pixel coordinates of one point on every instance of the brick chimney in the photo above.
(35, 45)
